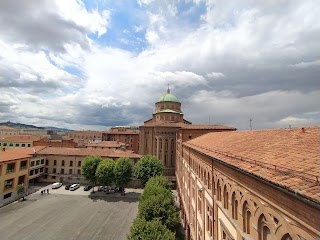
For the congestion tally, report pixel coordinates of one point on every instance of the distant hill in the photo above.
(21, 125)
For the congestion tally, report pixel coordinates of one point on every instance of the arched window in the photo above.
(54, 162)
(246, 214)
(62, 163)
(209, 180)
(263, 229)
(219, 190)
(234, 206)
(286, 237)
(225, 197)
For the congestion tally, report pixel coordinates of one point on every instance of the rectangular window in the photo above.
(38, 162)
(23, 145)
(17, 144)
(79, 171)
(47, 162)
(31, 172)
(70, 171)
(21, 179)
(29, 145)
(8, 184)
(36, 171)
(11, 167)
(10, 144)
(53, 177)
(46, 170)
(23, 164)
(53, 170)
(42, 161)
(32, 163)
(4, 144)
(62, 170)
(7, 195)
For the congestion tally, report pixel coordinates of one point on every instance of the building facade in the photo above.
(64, 164)
(158, 135)
(18, 141)
(260, 185)
(4, 130)
(127, 135)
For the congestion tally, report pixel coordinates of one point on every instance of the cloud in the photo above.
(51, 25)
(228, 63)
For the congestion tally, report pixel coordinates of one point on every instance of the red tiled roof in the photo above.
(218, 127)
(106, 144)
(127, 132)
(20, 138)
(164, 124)
(287, 157)
(88, 152)
(18, 153)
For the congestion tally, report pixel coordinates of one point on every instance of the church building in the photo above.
(158, 135)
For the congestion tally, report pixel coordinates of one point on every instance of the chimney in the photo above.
(303, 130)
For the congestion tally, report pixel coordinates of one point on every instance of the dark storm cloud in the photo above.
(36, 24)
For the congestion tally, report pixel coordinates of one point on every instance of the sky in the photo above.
(93, 64)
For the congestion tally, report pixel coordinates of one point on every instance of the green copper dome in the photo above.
(168, 97)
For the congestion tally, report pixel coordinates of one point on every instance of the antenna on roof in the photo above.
(250, 123)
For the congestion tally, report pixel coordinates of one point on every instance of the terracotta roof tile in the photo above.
(287, 157)
(20, 138)
(18, 153)
(88, 152)
(218, 127)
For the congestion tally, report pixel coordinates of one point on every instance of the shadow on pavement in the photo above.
(115, 197)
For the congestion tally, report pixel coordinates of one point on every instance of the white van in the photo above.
(56, 185)
(74, 186)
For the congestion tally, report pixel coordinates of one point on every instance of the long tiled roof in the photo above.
(18, 153)
(286, 157)
(88, 152)
(218, 127)
(106, 144)
(20, 138)
(164, 124)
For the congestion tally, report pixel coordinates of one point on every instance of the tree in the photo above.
(122, 172)
(151, 190)
(159, 207)
(152, 230)
(89, 168)
(160, 181)
(104, 173)
(147, 167)
(21, 191)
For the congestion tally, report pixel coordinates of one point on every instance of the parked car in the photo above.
(74, 186)
(87, 187)
(67, 187)
(56, 185)
(101, 188)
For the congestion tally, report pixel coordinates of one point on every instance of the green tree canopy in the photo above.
(159, 207)
(147, 167)
(160, 181)
(122, 171)
(89, 167)
(104, 173)
(152, 230)
(151, 190)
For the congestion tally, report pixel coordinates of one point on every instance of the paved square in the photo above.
(69, 215)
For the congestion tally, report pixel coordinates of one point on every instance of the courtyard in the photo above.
(64, 214)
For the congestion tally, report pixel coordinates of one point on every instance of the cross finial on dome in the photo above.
(168, 91)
